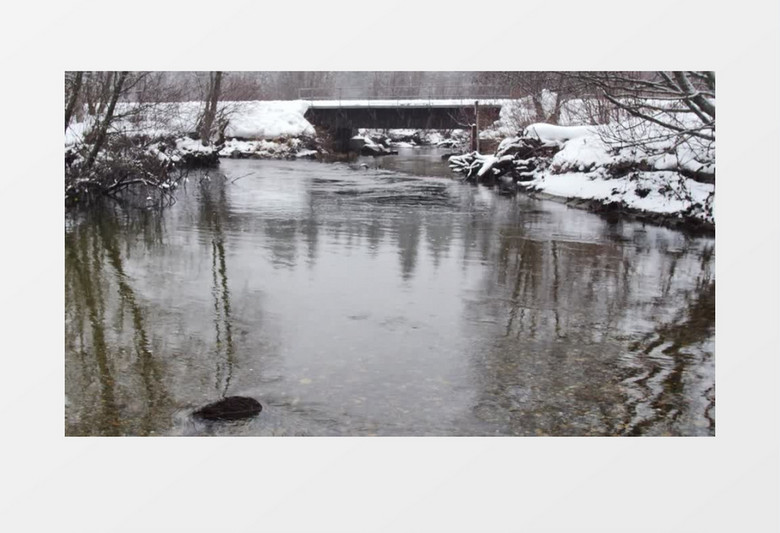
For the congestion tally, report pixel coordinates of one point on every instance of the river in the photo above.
(383, 299)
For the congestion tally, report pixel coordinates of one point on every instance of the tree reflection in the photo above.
(562, 362)
(407, 233)
(214, 209)
(104, 417)
(92, 297)
(668, 362)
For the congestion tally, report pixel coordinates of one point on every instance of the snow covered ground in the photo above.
(250, 120)
(269, 120)
(584, 168)
(261, 129)
(409, 138)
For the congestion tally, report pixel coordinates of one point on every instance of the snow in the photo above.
(594, 163)
(251, 120)
(552, 133)
(410, 138)
(247, 120)
(660, 191)
(190, 145)
(582, 153)
(487, 165)
(329, 104)
(269, 120)
(581, 169)
(262, 148)
(76, 131)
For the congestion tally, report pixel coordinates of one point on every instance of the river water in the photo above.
(383, 299)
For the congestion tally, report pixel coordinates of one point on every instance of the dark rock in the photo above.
(376, 149)
(230, 408)
(199, 159)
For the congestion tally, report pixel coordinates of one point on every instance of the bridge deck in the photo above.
(343, 117)
(405, 103)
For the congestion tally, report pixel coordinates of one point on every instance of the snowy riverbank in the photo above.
(670, 183)
(254, 129)
(574, 163)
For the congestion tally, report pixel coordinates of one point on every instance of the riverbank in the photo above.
(576, 165)
(669, 185)
(254, 130)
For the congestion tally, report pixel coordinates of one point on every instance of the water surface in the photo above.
(376, 301)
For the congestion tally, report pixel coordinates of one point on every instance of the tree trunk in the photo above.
(538, 108)
(89, 94)
(106, 79)
(74, 96)
(555, 118)
(211, 109)
(103, 129)
(705, 105)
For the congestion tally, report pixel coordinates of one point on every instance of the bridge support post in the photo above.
(475, 128)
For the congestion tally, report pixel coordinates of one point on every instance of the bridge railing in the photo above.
(405, 92)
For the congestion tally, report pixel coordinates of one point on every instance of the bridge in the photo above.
(342, 117)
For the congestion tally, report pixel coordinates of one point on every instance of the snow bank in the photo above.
(587, 168)
(76, 131)
(269, 120)
(582, 153)
(659, 174)
(250, 120)
(656, 192)
(552, 133)
(414, 137)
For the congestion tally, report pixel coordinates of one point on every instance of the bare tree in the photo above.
(242, 86)
(102, 130)
(72, 90)
(665, 114)
(682, 102)
(207, 121)
(122, 146)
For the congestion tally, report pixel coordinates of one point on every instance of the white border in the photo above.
(726, 483)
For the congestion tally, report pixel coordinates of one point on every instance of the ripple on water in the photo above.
(366, 301)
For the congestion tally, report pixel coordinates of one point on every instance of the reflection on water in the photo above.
(354, 301)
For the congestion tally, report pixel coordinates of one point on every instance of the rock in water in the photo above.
(230, 408)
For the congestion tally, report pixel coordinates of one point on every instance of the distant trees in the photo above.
(547, 92)
(242, 86)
